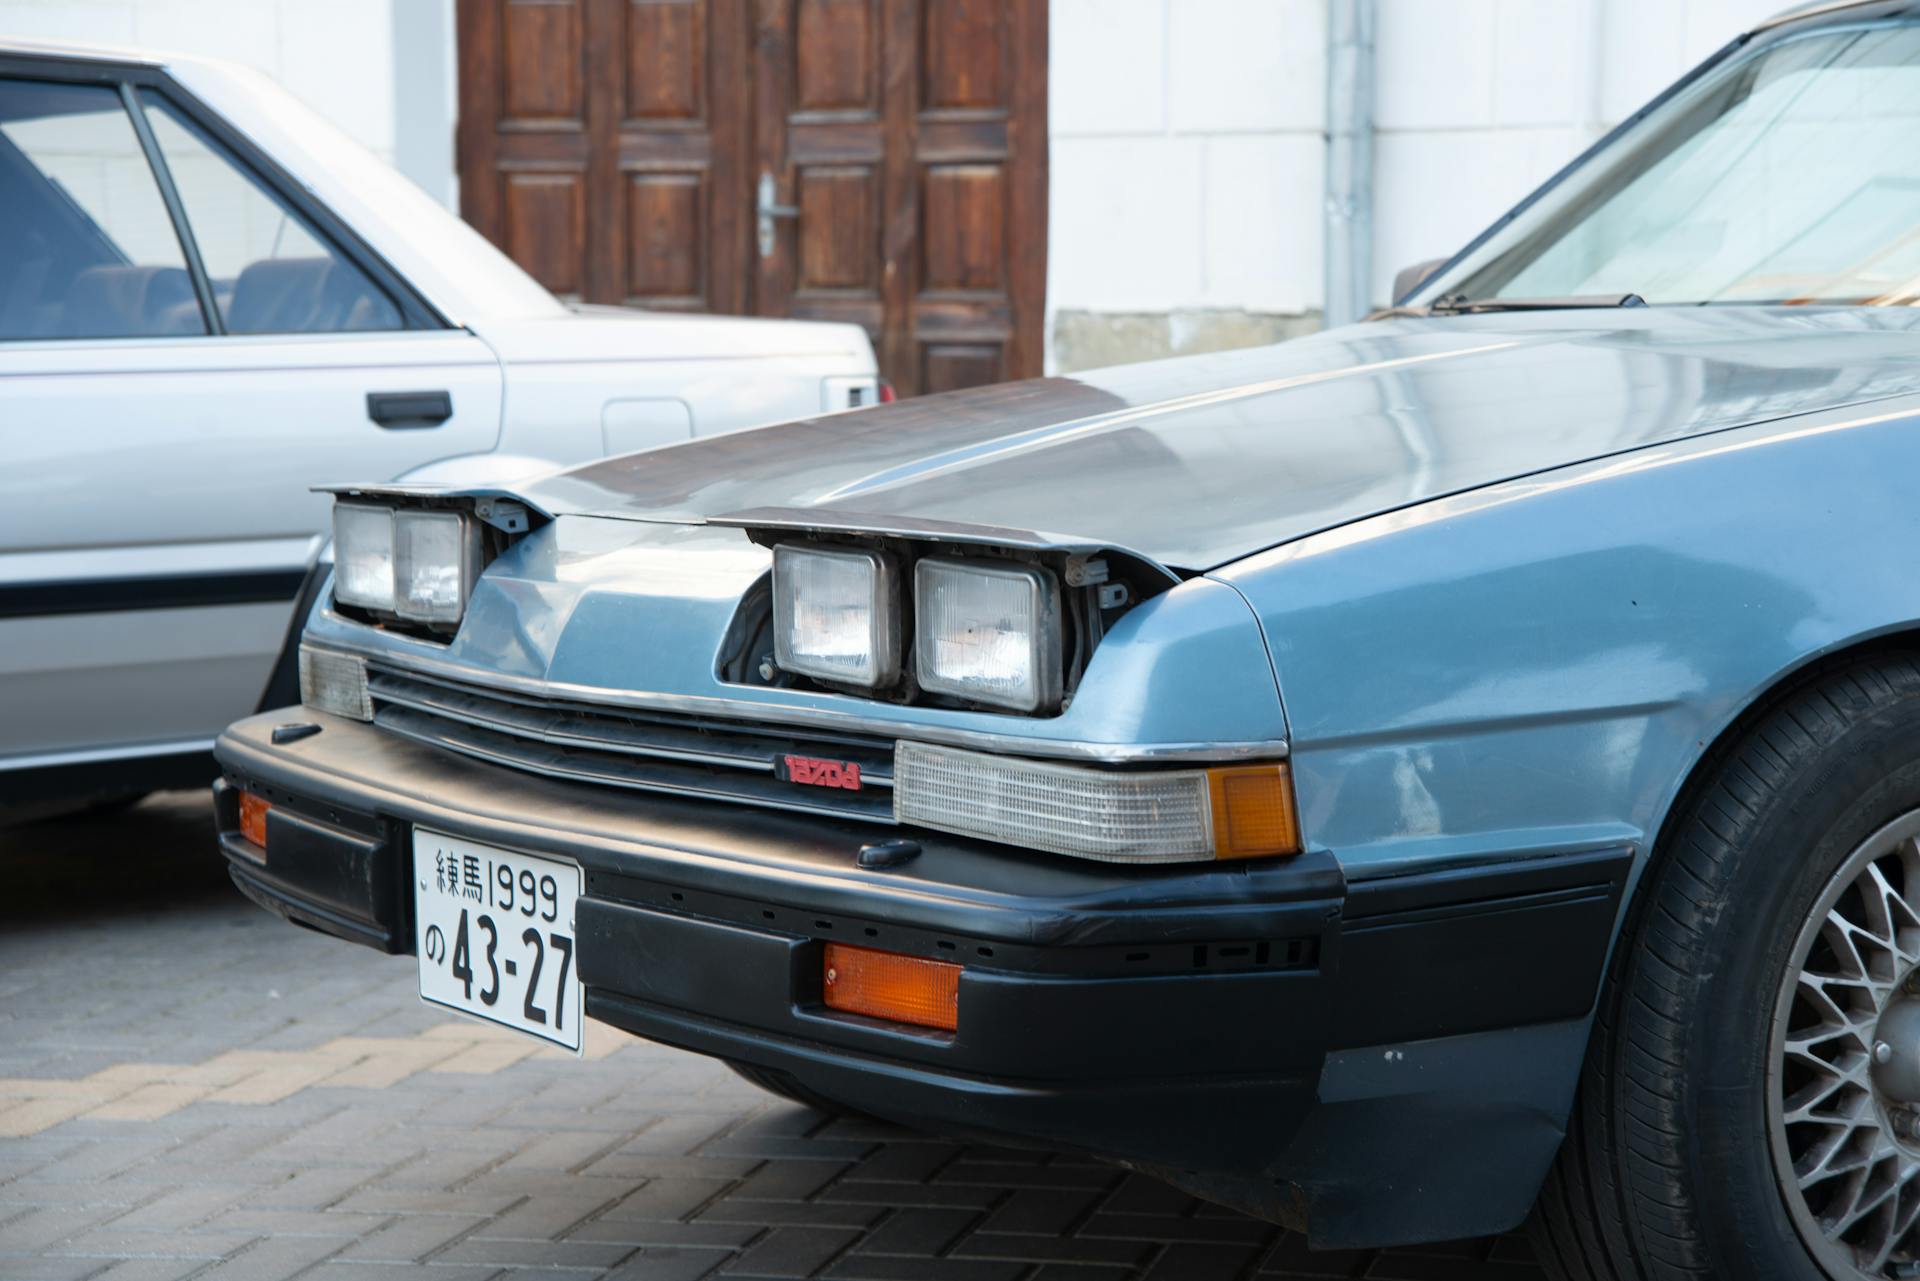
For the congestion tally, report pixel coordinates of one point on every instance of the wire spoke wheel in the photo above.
(1844, 1088)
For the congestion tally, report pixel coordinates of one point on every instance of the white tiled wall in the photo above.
(1186, 154)
(1188, 146)
(338, 56)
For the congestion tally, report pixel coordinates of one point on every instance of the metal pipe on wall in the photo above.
(1349, 205)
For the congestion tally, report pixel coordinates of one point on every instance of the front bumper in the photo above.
(1214, 1024)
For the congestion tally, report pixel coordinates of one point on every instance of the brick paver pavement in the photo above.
(190, 1088)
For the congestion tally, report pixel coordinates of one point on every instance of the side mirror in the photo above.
(1411, 278)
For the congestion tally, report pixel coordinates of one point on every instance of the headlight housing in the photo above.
(987, 633)
(836, 614)
(416, 565)
(920, 618)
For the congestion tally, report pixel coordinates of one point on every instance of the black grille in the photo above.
(642, 751)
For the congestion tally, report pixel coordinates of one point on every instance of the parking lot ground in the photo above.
(190, 1088)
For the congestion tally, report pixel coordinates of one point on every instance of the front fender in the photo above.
(1534, 670)
(1539, 665)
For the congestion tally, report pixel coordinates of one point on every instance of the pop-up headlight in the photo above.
(988, 633)
(363, 556)
(417, 565)
(836, 614)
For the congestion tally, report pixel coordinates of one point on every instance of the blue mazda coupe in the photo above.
(1459, 768)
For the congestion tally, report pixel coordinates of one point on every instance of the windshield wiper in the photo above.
(1460, 305)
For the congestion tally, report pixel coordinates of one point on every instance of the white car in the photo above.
(210, 301)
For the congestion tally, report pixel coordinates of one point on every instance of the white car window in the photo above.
(271, 272)
(88, 249)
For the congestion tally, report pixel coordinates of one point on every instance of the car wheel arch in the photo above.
(1755, 707)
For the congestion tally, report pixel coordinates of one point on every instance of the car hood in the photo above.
(1203, 460)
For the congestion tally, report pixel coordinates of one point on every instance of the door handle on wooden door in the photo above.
(769, 208)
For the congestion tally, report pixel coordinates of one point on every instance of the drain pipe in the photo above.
(1349, 211)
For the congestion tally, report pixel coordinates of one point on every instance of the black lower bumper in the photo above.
(1234, 1028)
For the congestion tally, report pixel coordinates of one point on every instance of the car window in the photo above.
(86, 247)
(271, 271)
(1787, 175)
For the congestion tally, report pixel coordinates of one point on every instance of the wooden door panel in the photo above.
(602, 145)
(963, 231)
(952, 366)
(614, 148)
(666, 43)
(545, 216)
(836, 46)
(839, 228)
(543, 58)
(963, 58)
(666, 239)
(933, 116)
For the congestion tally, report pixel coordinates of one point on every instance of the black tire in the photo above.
(1667, 1173)
(787, 1088)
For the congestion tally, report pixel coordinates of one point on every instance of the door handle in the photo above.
(769, 208)
(401, 410)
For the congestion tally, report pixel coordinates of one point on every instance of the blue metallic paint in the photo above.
(1538, 665)
(616, 611)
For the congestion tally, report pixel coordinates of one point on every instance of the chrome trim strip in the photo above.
(830, 722)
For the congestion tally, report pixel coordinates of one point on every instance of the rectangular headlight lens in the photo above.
(988, 633)
(435, 557)
(836, 615)
(363, 556)
(335, 683)
(1117, 816)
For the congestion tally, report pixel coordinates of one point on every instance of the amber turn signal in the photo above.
(253, 818)
(1253, 813)
(887, 985)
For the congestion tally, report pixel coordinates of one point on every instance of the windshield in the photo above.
(1790, 175)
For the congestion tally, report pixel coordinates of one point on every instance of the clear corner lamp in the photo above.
(836, 614)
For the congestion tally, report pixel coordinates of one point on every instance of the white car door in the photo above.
(186, 346)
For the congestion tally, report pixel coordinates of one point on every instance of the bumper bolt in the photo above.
(1882, 1052)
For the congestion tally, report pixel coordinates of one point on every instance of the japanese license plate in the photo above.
(494, 932)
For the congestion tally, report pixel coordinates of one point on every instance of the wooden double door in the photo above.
(876, 161)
